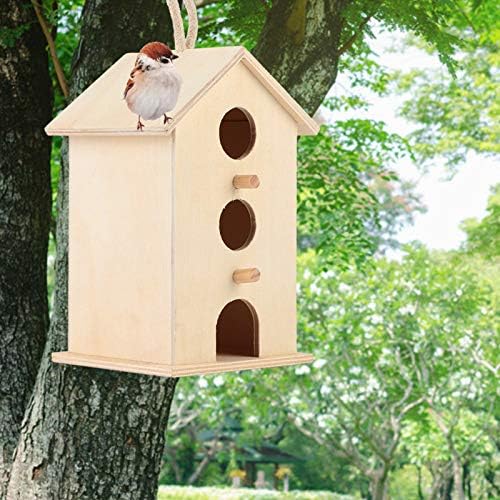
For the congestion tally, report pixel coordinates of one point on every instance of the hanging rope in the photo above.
(183, 42)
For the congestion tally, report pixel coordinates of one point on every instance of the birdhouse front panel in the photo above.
(120, 209)
(260, 137)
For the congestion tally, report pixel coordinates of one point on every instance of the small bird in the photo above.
(154, 84)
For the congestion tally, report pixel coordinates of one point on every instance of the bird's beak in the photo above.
(173, 56)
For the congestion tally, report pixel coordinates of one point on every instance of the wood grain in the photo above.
(120, 273)
(246, 181)
(248, 275)
(222, 363)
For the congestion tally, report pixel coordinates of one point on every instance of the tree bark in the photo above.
(458, 478)
(92, 433)
(299, 45)
(25, 201)
(378, 484)
(467, 480)
(441, 480)
(420, 492)
(99, 434)
(446, 488)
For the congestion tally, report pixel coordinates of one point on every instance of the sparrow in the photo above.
(154, 84)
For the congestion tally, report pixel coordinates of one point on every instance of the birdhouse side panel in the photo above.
(204, 264)
(120, 207)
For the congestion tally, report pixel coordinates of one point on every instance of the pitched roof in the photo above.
(101, 110)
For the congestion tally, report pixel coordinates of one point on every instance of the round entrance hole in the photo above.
(238, 330)
(237, 224)
(237, 133)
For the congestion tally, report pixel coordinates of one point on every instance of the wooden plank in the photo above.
(203, 186)
(120, 242)
(222, 364)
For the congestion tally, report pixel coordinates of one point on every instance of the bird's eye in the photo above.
(164, 59)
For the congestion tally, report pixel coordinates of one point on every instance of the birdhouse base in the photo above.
(223, 363)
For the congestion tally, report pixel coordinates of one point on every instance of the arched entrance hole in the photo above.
(238, 329)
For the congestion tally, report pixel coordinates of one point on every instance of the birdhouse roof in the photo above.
(101, 110)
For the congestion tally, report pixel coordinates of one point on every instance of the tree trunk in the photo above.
(458, 479)
(438, 479)
(467, 480)
(378, 485)
(420, 492)
(446, 488)
(92, 433)
(299, 46)
(99, 434)
(25, 200)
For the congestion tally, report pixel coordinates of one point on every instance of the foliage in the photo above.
(10, 33)
(387, 341)
(321, 470)
(483, 237)
(64, 18)
(427, 19)
(353, 157)
(397, 202)
(467, 440)
(425, 442)
(338, 212)
(393, 345)
(237, 473)
(9, 36)
(282, 472)
(179, 492)
(455, 115)
(404, 483)
(232, 23)
(240, 23)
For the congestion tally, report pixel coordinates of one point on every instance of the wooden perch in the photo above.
(250, 275)
(246, 181)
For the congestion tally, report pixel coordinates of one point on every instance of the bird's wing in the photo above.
(130, 84)
(138, 68)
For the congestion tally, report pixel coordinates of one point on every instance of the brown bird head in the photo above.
(158, 51)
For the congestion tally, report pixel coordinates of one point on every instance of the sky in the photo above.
(448, 201)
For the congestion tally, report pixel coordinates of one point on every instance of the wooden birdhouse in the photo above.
(182, 238)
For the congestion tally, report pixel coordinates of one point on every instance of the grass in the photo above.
(213, 493)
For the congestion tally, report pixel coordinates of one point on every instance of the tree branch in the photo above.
(171, 456)
(204, 462)
(336, 448)
(63, 84)
(411, 405)
(484, 363)
(350, 42)
(465, 16)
